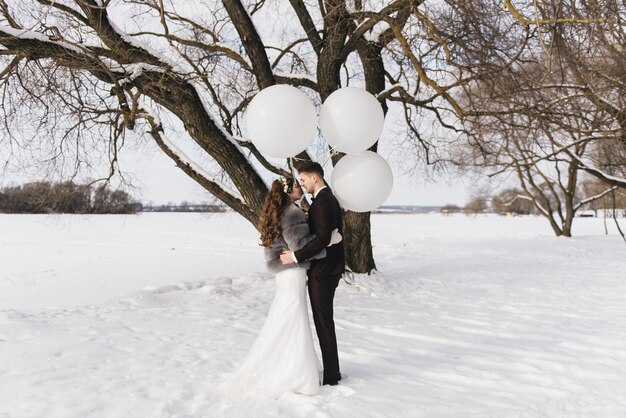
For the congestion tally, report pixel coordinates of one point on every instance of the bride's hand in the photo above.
(286, 258)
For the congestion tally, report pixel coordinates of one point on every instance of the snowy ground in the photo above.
(139, 316)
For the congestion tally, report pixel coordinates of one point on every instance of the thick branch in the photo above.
(125, 50)
(307, 24)
(336, 24)
(401, 7)
(607, 178)
(251, 42)
(169, 90)
(295, 80)
(212, 186)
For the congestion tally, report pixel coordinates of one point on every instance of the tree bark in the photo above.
(356, 226)
(251, 42)
(359, 253)
(358, 242)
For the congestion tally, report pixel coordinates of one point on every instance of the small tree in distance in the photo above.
(450, 208)
(477, 204)
(512, 201)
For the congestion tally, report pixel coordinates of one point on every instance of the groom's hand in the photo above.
(286, 258)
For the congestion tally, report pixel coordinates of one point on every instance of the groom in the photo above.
(325, 273)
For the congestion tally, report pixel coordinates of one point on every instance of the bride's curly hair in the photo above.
(275, 202)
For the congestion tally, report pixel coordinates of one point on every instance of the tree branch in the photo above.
(307, 24)
(527, 22)
(251, 42)
(214, 187)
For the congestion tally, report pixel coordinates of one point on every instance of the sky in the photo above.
(157, 180)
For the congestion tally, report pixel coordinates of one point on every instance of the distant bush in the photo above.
(450, 208)
(67, 197)
(512, 201)
(606, 203)
(476, 205)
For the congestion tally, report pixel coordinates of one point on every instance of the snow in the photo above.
(144, 46)
(617, 180)
(141, 315)
(137, 70)
(295, 76)
(388, 89)
(37, 36)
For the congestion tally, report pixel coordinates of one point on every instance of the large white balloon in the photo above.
(281, 121)
(351, 120)
(361, 182)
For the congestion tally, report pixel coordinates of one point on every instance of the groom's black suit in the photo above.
(324, 275)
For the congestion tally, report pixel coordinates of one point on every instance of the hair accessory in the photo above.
(287, 188)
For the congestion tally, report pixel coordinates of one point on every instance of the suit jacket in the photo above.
(324, 216)
(294, 234)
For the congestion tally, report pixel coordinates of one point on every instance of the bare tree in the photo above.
(513, 201)
(78, 71)
(476, 204)
(545, 95)
(87, 74)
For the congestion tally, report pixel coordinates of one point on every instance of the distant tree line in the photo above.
(186, 207)
(65, 197)
(515, 201)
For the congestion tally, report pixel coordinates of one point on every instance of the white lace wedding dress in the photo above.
(282, 359)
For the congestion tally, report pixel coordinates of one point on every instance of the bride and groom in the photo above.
(283, 359)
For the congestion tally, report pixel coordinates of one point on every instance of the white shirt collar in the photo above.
(318, 191)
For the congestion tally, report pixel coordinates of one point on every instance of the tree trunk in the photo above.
(356, 226)
(570, 192)
(567, 227)
(358, 242)
(555, 226)
(359, 254)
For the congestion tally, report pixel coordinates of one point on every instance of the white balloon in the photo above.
(281, 121)
(351, 120)
(361, 182)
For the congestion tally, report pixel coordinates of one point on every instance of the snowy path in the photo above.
(467, 317)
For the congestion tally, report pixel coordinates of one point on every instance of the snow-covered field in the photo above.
(140, 316)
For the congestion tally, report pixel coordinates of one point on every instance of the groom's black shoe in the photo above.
(333, 382)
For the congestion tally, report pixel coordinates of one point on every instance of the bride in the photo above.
(282, 358)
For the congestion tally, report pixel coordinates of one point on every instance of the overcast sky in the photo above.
(159, 181)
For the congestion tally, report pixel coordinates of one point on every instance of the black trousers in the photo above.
(321, 294)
